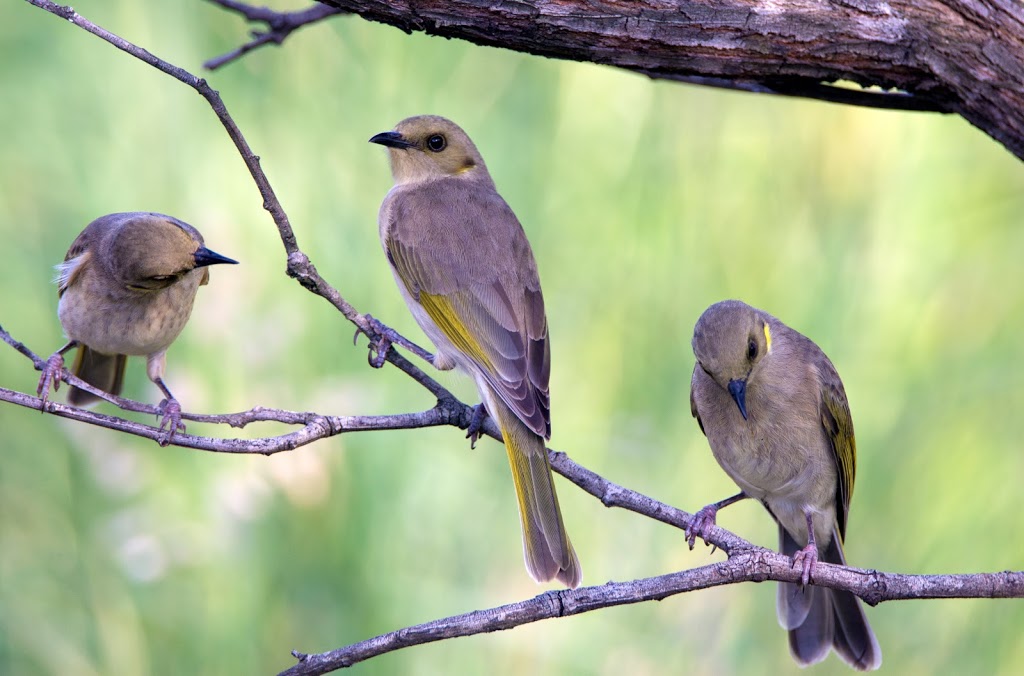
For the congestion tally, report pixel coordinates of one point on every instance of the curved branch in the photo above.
(962, 57)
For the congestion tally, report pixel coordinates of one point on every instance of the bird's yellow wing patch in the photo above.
(447, 317)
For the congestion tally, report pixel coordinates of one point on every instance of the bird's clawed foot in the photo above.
(170, 410)
(380, 341)
(476, 424)
(381, 338)
(52, 374)
(806, 558)
(701, 523)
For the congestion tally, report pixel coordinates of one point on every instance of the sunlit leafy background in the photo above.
(892, 239)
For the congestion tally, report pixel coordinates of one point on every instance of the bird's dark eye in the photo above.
(437, 143)
(751, 350)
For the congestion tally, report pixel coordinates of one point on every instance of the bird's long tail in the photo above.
(103, 371)
(546, 547)
(819, 618)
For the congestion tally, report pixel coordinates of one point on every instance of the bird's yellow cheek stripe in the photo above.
(768, 338)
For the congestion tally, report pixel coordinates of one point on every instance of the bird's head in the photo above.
(149, 251)
(428, 147)
(730, 341)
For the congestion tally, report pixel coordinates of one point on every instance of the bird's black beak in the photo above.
(204, 256)
(738, 390)
(392, 139)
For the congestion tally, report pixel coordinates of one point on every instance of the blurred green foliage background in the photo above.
(894, 240)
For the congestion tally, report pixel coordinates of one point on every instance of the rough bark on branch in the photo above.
(963, 57)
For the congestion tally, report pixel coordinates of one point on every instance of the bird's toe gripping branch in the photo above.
(382, 337)
(476, 424)
(170, 412)
(704, 520)
(53, 373)
(806, 558)
(701, 524)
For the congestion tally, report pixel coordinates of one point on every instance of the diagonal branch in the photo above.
(751, 564)
(279, 26)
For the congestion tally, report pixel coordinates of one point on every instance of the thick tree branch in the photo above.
(279, 26)
(962, 57)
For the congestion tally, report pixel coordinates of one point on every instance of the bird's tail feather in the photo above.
(103, 371)
(818, 618)
(546, 546)
(854, 641)
(793, 603)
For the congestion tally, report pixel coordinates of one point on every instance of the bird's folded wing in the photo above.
(499, 325)
(838, 424)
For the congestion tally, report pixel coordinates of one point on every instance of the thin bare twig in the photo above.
(315, 426)
(279, 26)
(447, 411)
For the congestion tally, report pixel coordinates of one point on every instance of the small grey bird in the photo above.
(467, 273)
(126, 287)
(776, 416)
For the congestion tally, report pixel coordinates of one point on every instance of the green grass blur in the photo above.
(894, 240)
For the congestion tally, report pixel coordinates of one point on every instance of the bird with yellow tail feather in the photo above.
(467, 273)
(776, 417)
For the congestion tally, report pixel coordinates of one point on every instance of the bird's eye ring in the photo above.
(437, 143)
(751, 350)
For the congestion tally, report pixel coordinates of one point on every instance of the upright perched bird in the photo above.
(776, 416)
(126, 287)
(467, 273)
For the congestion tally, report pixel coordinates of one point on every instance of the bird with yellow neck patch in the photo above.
(126, 287)
(776, 417)
(467, 273)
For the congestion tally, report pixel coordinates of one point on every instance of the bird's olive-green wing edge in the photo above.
(838, 424)
(489, 308)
